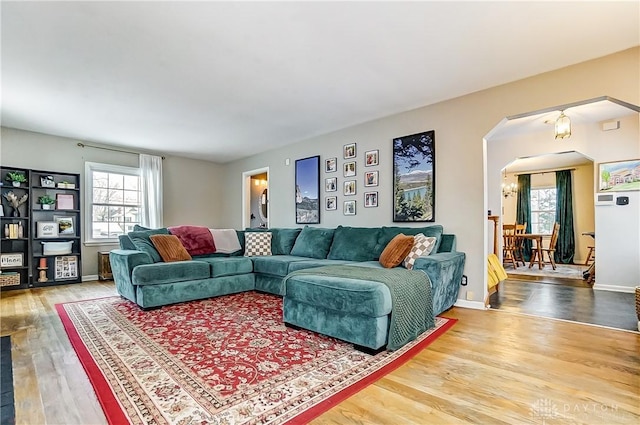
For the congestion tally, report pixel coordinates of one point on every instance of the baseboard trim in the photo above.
(89, 277)
(475, 305)
(614, 288)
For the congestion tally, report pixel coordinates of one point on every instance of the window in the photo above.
(543, 210)
(113, 201)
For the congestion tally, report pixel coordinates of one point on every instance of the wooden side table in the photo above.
(104, 266)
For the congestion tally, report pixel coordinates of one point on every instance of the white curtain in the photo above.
(151, 177)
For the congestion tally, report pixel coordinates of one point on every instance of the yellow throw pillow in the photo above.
(170, 248)
(396, 251)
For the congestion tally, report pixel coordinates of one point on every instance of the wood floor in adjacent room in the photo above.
(492, 367)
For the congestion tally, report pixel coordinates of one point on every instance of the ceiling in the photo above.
(225, 80)
(550, 161)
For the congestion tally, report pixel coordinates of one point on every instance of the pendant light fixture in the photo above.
(563, 126)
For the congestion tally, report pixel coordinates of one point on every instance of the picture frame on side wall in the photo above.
(619, 176)
(371, 158)
(349, 208)
(331, 165)
(349, 151)
(414, 179)
(331, 203)
(308, 190)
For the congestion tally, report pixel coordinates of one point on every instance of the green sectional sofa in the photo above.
(360, 310)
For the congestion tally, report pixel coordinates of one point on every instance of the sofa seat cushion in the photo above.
(159, 273)
(355, 244)
(277, 265)
(228, 266)
(308, 264)
(361, 297)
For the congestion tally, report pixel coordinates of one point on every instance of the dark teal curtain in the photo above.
(566, 245)
(523, 209)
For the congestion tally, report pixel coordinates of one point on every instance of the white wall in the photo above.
(460, 125)
(192, 188)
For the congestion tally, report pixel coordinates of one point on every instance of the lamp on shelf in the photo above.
(563, 126)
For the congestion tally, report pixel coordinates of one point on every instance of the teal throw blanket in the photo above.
(411, 298)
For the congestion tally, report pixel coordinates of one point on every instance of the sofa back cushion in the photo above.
(143, 243)
(388, 233)
(313, 242)
(283, 240)
(170, 248)
(355, 244)
(396, 251)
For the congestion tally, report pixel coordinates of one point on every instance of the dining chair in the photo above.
(551, 249)
(510, 250)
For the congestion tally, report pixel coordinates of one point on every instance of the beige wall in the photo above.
(460, 125)
(192, 188)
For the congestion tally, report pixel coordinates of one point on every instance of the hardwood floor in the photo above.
(491, 367)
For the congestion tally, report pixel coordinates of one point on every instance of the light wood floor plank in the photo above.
(492, 367)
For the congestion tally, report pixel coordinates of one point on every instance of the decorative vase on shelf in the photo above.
(47, 206)
(15, 184)
(16, 212)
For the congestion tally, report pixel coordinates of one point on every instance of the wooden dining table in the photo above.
(538, 248)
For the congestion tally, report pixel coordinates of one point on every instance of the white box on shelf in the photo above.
(56, 248)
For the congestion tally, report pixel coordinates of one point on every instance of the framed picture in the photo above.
(414, 177)
(619, 176)
(331, 203)
(349, 208)
(65, 225)
(331, 165)
(371, 178)
(331, 184)
(350, 169)
(370, 199)
(349, 151)
(308, 190)
(349, 187)
(46, 229)
(11, 259)
(66, 267)
(371, 158)
(64, 202)
(47, 181)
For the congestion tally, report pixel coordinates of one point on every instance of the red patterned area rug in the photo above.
(224, 360)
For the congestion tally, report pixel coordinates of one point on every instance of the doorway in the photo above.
(531, 135)
(255, 195)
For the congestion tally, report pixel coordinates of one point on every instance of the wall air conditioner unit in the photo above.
(608, 198)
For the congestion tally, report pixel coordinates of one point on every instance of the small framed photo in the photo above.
(331, 184)
(371, 178)
(64, 202)
(66, 267)
(350, 169)
(349, 208)
(371, 158)
(47, 181)
(350, 187)
(46, 229)
(65, 225)
(349, 151)
(331, 203)
(331, 165)
(370, 199)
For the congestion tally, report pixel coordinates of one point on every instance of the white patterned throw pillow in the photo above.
(257, 243)
(422, 246)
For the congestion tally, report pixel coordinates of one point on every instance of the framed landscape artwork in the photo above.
(619, 176)
(414, 177)
(308, 190)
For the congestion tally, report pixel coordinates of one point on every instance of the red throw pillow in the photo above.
(396, 251)
(170, 248)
